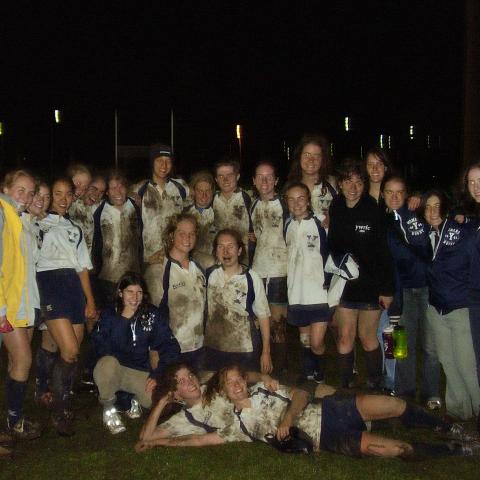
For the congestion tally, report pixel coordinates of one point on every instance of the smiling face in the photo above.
(132, 297)
(394, 194)
(265, 181)
(188, 386)
(21, 191)
(473, 183)
(162, 166)
(117, 192)
(202, 194)
(432, 211)
(311, 159)
(298, 202)
(375, 169)
(352, 189)
(184, 238)
(62, 197)
(40, 202)
(234, 386)
(228, 252)
(227, 179)
(95, 192)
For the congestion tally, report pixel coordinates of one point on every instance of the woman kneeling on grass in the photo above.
(124, 339)
(336, 424)
(201, 421)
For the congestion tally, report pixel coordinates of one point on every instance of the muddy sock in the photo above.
(345, 368)
(319, 362)
(44, 361)
(15, 396)
(279, 357)
(374, 363)
(308, 363)
(415, 416)
(63, 375)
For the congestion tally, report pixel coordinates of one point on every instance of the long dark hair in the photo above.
(467, 205)
(127, 279)
(295, 174)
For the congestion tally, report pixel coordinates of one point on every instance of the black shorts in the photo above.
(276, 290)
(342, 426)
(61, 295)
(305, 315)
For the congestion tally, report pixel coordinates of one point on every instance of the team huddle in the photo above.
(167, 283)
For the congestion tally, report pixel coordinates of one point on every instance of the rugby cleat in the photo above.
(112, 420)
(24, 429)
(135, 410)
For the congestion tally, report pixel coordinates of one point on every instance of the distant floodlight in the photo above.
(348, 124)
(429, 143)
(412, 131)
(1, 128)
(239, 132)
(58, 116)
(332, 149)
(389, 141)
(382, 141)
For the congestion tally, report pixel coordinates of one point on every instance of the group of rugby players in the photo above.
(167, 281)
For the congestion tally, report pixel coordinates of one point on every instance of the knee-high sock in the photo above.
(63, 375)
(415, 416)
(374, 362)
(319, 362)
(44, 361)
(308, 363)
(15, 396)
(345, 367)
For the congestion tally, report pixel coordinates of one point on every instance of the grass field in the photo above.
(95, 454)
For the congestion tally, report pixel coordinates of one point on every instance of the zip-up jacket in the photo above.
(130, 340)
(448, 273)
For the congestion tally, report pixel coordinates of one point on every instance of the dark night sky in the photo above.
(278, 71)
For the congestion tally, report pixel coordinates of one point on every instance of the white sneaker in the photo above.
(135, 410)
(112, 420)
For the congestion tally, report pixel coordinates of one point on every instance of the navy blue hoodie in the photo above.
(448, 273)
(130, 340)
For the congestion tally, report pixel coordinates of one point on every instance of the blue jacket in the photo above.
(475, 268)
(409, 245)
(130, 340)
(448, 273)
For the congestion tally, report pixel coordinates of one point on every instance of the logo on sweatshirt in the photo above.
(362, 229)
(451, 236)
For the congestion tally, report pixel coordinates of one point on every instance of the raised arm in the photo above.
(299, 401)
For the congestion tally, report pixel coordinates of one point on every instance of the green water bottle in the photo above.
(400, 350)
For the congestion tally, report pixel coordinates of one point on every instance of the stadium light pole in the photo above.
(239, 138)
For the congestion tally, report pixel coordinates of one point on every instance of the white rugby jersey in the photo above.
(82, 215)
(30, 295)
(267, 411)
(233, 213)
(62, 245)
(232, 304)
(307, 254)
(158, 205)
(268, 218)
(203, 252)
(183, 293)
(120, 237)
(201, 419)
(322, 195)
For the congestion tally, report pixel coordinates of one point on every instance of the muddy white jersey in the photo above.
(232, 305)
(82, 215)
(119, 233)
(268, 218)
(158, 205)
(205, 418)
(307, 254)
(62, 245)
(203, 252)
(183, 297)
(322, 195)
(233, 212)
(267, 410)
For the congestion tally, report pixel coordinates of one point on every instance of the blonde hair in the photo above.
(172, 225)
(12, 177)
